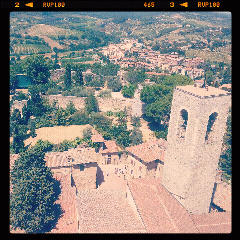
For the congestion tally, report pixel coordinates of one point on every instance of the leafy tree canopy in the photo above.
(34, 192)
(135, 76)
(36, 67)
(159, 97)
(91, 104)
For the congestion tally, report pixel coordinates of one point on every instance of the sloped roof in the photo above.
(97, 138)
(111, 147)
(77, 155)
(106, 211)
(67, 223)
(214, 222)
(149, 151)
(160, 211)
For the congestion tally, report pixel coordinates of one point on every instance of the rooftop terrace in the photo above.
(202, 92)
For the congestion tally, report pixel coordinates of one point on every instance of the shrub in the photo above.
(105, 94)
(87, 133)
(79, 118)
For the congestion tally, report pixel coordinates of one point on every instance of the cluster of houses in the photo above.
(139, 207)
(170, 63)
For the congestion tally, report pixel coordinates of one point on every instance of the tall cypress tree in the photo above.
(34, 192)
(79, 76)
(67, 76)
(91, 104)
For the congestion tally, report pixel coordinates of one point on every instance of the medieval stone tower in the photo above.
(196, 128)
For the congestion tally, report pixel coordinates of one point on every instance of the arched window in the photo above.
(182, 123)
(210, 127)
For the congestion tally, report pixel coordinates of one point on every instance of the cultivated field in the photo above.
(57, 134)
(30, 48)
(47, 30)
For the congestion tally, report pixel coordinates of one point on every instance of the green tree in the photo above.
(135, 76)
(114, 83)
(79, 76)
(36, 68)
(159, 97)
(91, 104)
(67, 76)
(135, 121)
(43, 146)
(70, 109)
(87, 133)
(136, 136)
(13, 79)
(35, 105)
(79, 118)
(209, 77)
(101, 122)
(128, 91)
(88, 79)
(18, 131)
(34, 192)
(121, 134)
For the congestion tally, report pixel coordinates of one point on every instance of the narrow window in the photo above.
(210, 127)
(182, 123)
(81, 167)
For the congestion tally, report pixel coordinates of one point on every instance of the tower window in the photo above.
(210, 127)
(182, 123)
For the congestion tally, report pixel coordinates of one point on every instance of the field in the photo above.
(30, 48)
(47, 30)
(57, 134)
(51, 43)
(207, 55)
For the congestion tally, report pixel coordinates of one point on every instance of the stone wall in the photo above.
(133, 106)
(190, 162)
(85, 179)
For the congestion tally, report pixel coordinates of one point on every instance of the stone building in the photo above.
(108, 149)
(80, 163)
(146, 159)
(196, 128)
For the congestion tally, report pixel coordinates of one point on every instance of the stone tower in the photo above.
(196, 128)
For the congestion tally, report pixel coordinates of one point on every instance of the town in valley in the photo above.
(120, 122)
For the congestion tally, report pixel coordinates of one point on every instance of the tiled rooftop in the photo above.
(79, 155)
(106, 211)
(160, 211)
(111, 147)
(67, 223)
(223, 196)
(97, 138)
(149, 151)
(215, 222)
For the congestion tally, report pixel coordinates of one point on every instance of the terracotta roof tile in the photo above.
(97, 138)
(111, 147)
(215, 222)
(106, 211)
(149, 151)
(160, 211)
(67, 223)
